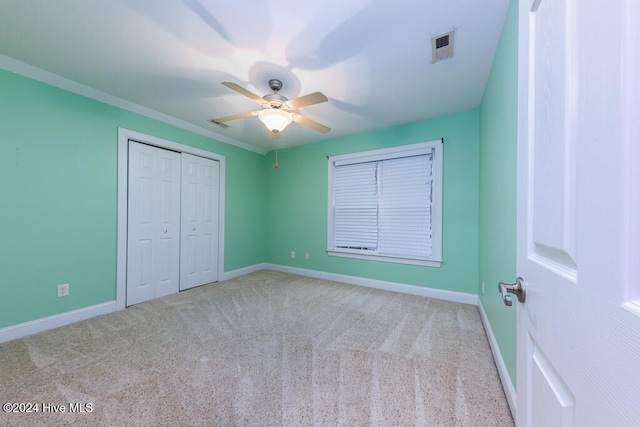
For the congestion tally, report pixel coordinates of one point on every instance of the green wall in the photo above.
(498, 136)
(58, 216)
(297, 204)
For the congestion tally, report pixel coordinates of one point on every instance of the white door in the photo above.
(153, 244)
(578, 213)
(199, 241)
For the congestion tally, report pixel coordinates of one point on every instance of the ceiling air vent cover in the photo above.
(221, 124)
(442, 47)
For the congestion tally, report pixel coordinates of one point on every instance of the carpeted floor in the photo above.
(263, 349)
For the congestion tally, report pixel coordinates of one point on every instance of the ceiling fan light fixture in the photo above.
(274, 119)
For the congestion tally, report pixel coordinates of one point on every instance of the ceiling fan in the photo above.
(277, 111)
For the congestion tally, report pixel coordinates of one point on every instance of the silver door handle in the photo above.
(517, 289)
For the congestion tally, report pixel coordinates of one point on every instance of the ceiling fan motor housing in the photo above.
(275, 100)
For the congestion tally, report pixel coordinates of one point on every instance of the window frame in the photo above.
(436, 210)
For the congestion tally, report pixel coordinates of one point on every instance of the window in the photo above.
(386, 204)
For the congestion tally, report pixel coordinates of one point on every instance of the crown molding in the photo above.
(47, 77)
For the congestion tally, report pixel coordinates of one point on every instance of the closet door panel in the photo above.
(153, 244)
(200, 204)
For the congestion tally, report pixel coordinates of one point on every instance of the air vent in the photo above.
(222, 125)
(442, 47)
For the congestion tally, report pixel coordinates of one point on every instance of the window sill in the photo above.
(372, 257)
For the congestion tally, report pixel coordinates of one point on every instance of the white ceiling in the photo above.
(371, 58)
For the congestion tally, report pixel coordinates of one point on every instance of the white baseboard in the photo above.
(460, 297)
(39, 325)
(507, 385)
(228, 275)
(44, 324)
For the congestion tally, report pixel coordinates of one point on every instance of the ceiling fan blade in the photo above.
(303, 101)
(310, 123)
(234, 117)
(252, 96)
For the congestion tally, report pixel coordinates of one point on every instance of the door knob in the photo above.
(516, 288)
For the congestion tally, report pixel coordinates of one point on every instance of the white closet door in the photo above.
(153, 244)
(199, 240)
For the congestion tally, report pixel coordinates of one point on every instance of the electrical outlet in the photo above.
(306, 255)
(293, 254)
(63, 290)
(483, 287)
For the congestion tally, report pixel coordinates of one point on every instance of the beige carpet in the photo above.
(263, 349)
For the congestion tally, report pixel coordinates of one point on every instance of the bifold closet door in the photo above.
(199, 223)
(153, 240)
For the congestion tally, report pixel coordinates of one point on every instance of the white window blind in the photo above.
(404, 220)
(356, 206)
(383, 203)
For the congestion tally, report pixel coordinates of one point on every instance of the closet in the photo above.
(173, 222)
